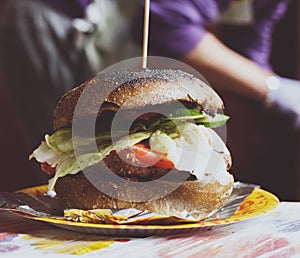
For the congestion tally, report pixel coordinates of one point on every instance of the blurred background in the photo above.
(265, 151)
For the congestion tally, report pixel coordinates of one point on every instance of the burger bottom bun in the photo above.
(198, 199)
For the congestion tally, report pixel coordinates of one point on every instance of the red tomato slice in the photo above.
(150, 157)
(47, 168)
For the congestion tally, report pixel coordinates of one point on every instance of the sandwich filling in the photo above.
(183, 141)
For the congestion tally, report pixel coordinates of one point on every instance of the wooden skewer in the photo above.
(146, 33)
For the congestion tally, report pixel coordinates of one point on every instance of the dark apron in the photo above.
(40, 60)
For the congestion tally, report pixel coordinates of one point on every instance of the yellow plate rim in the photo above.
(257, 203)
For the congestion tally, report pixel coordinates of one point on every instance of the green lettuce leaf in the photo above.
(213, 122)
(60, 141)
(71, 164)
(199, 117)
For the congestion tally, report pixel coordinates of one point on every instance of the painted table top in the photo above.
(274, 234)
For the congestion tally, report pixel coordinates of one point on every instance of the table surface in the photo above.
(274, 234)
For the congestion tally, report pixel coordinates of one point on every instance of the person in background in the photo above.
(229, 42)
(48, 47)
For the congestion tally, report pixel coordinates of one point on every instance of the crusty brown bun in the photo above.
(136, 89)
(132, 91)
(197, 198)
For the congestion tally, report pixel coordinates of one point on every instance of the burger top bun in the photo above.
(133, 90)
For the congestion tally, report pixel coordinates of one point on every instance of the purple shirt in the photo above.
(176, 27)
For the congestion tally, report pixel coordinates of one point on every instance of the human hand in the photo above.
(284, 94)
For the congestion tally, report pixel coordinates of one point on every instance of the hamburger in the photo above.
(141, 139)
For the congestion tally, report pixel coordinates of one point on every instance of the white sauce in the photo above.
(196, 150)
